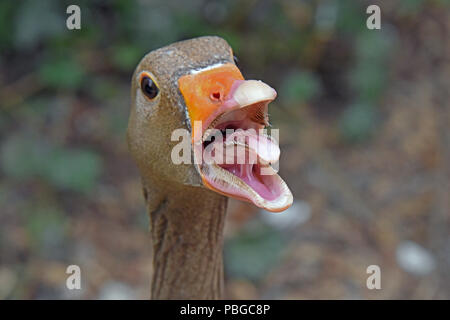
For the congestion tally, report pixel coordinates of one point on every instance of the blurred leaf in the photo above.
(232, 38)
(351, 17)
(253, 253)
(369, 76)
(7, 9)
(46, 227)
(126, 57)
(193, 25)
(368, 81)
(62, 74)
(71, 169)
(36, 21)
(3, 122)
(118, 120)
(154, 27)
(372, 46)
(358, 122)
(411, 6)
(24, 157)
(33, 113)
(21, 158)
(104, 88)
(300, 86)
(4, 190)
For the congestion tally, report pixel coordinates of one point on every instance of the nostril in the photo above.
(215, 95)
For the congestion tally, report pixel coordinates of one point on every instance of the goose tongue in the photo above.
(260, 148)
(248, 155)
(243, 147)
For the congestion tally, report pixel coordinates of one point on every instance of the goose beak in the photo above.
(231, 151)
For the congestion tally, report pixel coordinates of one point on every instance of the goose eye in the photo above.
(149, 87)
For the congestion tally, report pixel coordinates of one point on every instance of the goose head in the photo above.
(191, 92)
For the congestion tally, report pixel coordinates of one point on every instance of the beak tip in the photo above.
(253, 91)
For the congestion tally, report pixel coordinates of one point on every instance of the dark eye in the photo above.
(236, 60)
(148, 86)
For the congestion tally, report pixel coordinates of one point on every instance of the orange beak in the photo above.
(218, 98)
(205, 93)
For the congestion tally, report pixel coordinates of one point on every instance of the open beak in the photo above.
(232, 153)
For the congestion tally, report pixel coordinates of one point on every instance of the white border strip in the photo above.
(207, 68)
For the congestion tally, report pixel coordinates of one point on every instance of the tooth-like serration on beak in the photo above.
(252, 91)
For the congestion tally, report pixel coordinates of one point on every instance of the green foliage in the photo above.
(253, 252)
(351, 17)
(37, 21)
(373, 46)
(64, 73)
(104, 89)
(25, 157)
(358, 122)
(411, 6)
(368, 82)
(73, 169)
(126, 56)
(7, 9)
(46, 227)
(300, 87)
(22, 158)
(368, 79)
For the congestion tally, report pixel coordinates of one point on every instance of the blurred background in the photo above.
(364, 132)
